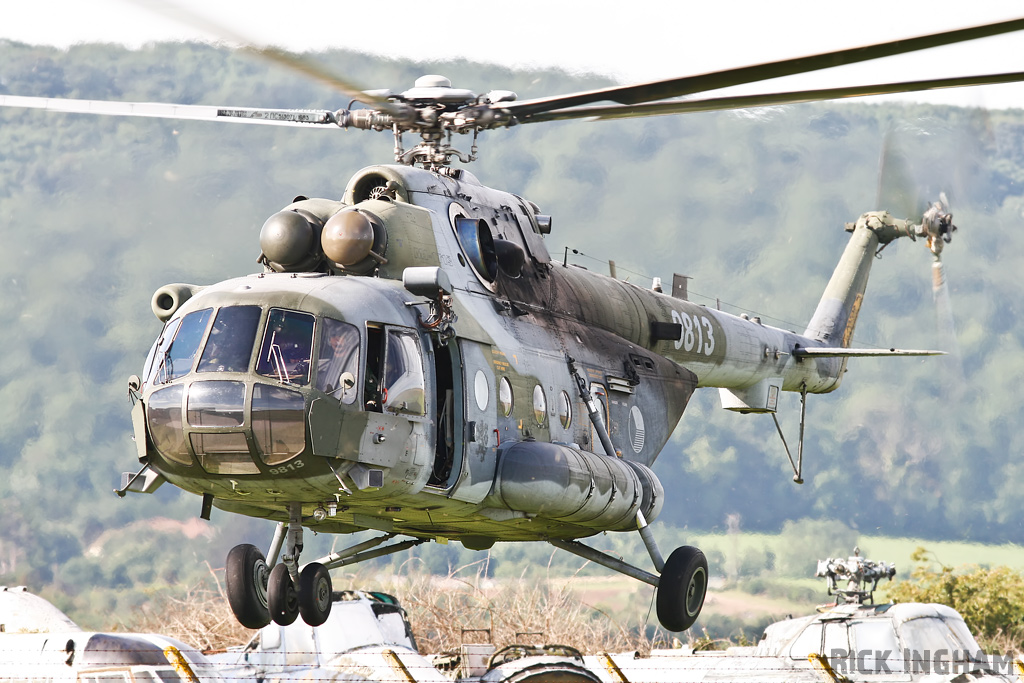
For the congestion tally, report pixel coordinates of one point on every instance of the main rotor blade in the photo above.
(624, 111)
(279, 56)
(688, 85)
(275, 117)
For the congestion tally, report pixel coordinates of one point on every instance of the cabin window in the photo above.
(229, 347)
(358, 628)
(963, 634)
(836, 638)
(393, 626)
(870, 640)
(564, 409)
(165, 424)
(807, 642)
(927, 636)
(223, 452)
(278, 423)
(404, 390)
(287, 350)
(300, 648)
(540, 404)
(821, 639)
(505, 396)
(216, 404)
(338, 364)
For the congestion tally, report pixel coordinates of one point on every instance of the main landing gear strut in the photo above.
(260, 592)
(682, 585)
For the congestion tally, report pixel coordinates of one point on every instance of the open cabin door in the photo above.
(449, 415)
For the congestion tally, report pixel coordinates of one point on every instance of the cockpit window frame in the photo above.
(392, 404)
(277, 370)
(353, 365)
(206, 364)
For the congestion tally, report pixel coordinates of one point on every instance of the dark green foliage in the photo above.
(96, 213)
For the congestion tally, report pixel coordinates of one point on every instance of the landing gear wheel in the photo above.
(315, 594)
(282, 598)
(682, 587)
(246, 578)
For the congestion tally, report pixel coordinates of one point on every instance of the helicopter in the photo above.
(412, 360)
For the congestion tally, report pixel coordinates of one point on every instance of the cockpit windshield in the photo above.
(229, 347)
(287, 350)
(178, 346)
(229, 423)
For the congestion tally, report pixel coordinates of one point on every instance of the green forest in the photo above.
(96, 213)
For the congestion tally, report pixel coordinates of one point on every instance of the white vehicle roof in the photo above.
(23, 612)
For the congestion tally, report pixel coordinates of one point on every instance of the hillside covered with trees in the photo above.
(96, 213)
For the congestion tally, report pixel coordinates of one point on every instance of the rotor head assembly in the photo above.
(856, 572)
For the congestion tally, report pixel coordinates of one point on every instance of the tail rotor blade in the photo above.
(897, 191)
(944, 320)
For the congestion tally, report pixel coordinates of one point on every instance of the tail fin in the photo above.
(836, 315)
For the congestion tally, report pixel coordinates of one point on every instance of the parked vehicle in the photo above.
(366, 637)
(850, 640)
(40, 644)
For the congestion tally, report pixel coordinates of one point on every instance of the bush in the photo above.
(991, 601)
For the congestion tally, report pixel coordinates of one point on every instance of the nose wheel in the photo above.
(282, 598)
(246, 578)
(314, 594)
(258, 594)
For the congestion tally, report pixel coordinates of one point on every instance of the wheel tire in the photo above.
(246, 579)
(682, 588)
(282, 598)
(315, 594)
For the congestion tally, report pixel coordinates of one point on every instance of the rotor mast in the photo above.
(435, 110)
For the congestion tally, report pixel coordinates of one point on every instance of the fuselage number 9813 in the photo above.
(698, 333)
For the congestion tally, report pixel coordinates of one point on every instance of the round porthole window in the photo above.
(480, 387)
(564, 410)
(540, 404)
(505, 396)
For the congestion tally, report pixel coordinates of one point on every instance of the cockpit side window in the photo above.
(807, 642)
(338, 365)
(404, 390)
(287, 350)
(147, 369)
(179, 345)
(231, 340)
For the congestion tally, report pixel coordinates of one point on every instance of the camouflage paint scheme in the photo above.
(505, 474)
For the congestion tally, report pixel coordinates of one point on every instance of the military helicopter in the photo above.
(412, 360)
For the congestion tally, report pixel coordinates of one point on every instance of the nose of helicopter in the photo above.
(238, 386)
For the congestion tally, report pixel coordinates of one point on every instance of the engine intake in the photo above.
(169, 298)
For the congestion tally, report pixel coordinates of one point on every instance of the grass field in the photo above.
(879, 548)
(757, 594)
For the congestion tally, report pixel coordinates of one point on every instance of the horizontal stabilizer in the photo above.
(837, 352)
